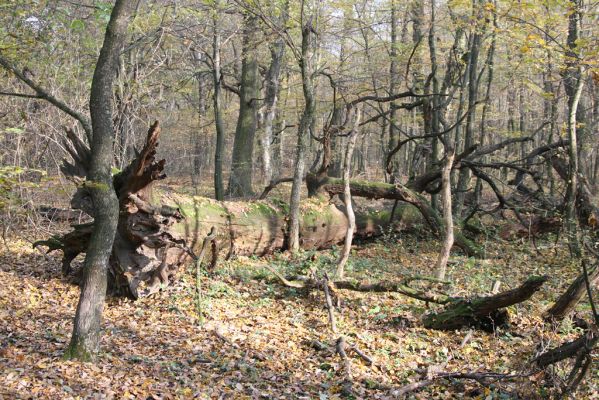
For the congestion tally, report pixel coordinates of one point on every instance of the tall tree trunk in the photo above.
(218, 118)
(199, 141)
(393, 81)
(473, 53)
(85, 340)
(273, 77)
(307, 70)
(573, 83)
(490, 64)
(240, 179)
(432, 105)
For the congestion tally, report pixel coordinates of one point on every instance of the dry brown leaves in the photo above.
(255, 342)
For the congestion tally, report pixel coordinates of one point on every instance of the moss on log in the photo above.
(379, 190)
(157, 236)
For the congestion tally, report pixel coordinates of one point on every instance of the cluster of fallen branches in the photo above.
(485, 312)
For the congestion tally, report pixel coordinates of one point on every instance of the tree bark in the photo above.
(305, 122)
(273, 77)
(347, 198)
(473, 84)
(564, 305)
(573, 84)
(218, 119)
(240, 179)
(447, 216)
(482, 311)
(378, 190)
(393, 83)
(85, 339)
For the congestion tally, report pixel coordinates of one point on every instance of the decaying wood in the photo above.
(571, 297)
(586, 342)
(367, 359)
(60, 214)
(402, 287)
(318, 185)
(158, 229)
(210, 238)
(485, 312)
(482, 312)
(273, 184)
(484, 378)
(347, 385)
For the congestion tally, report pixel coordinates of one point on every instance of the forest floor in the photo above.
(254, 340)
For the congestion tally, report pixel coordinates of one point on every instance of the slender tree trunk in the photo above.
(240, 179)
(474, 50)
(273, 77)
(219, 191)
(393, 78)
(199, 140)
(85, 340)
(447, 215)
(305, 122)
(490, 62)
(434, 109)
(347, 199)
(573, 83)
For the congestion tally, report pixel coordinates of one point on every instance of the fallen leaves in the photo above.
(255, 343)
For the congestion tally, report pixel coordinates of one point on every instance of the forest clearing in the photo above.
(311, 199)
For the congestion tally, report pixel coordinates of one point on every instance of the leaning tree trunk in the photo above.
(159, 231)
(566, 303)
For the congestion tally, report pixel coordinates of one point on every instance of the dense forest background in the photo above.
(368, 48)
(345, 166)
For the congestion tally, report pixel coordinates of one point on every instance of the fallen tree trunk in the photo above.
(486, 312)
(378, 190)
(586, 342)
(159, 230)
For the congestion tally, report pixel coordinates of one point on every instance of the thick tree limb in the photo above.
(482, 310)
(569, 349)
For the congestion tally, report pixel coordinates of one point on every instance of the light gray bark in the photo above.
(347, 199)
(441, 266)
(273, 77)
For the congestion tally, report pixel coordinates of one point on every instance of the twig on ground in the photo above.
(329, 303)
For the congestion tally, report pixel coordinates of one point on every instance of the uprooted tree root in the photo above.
(159, 231)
